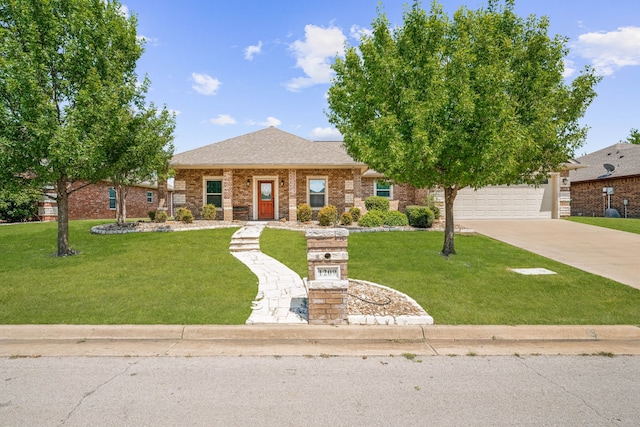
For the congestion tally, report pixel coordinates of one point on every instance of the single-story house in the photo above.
(98, 201)
(608, 178)
(268, 173)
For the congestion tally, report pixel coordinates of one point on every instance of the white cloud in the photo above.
(176, 112)
(148, 40)
(314, 55)
(357, 32)
(326, 134)
(124, 10)
(222, 120)
(271, 121)
(612, 50)
(205, 84)
(569, 68)
(252, 50)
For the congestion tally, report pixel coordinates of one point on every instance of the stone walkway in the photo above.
(282, 297)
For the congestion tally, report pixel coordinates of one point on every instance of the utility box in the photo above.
(327, 283)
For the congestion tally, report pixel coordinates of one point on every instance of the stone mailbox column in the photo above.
(327, 283)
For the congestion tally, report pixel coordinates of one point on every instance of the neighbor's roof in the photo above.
(269, 148)
(624, 157)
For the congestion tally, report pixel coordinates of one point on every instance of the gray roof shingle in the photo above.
(624, 157)
(270, 147)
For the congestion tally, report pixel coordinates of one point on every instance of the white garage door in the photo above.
(504, 202)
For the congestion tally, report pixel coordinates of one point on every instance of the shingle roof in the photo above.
(270, 147)
(625, 158)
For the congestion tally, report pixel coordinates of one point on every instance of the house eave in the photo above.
(359, 166)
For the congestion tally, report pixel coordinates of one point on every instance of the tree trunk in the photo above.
(121, 204)
(449, 197)
(63, 218)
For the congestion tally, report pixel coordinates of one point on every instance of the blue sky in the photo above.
(227, 68)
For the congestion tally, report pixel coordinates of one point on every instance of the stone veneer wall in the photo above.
(587, 197)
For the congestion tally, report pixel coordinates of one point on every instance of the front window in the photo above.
(317, 192)
(214, 192)
(112, 198)
(384, 189)
(149, 197)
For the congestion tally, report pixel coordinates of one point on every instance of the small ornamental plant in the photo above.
(376, 203)
(152, 215)
(420, 216)
(161, 216)
(395, 219)
(355, 213)
(304, 212)
(208, 212)
(328, 215)
(187, 217)
(346, 218)
(180, 212)
(372, 218)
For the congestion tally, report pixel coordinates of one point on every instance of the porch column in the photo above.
(293, 190)
(227, 194)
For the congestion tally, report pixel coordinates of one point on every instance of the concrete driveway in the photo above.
(608, 253)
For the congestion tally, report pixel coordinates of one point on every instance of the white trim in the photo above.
(204, 189)
(326, 189)
(276, 193)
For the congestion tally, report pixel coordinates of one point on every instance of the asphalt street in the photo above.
(320, 391)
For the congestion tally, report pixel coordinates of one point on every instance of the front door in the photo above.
(265, 200)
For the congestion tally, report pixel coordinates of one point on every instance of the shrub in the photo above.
(152, 215)
(18, 206)
(420, 216)
(180, 212)
(187, 217)
(346, 218)
(372, 218)
(355, 213)
(431, 204)
(161, 216)
(376, 203)
(304, 212)
(208, 212)
(395, 219)
(328, 215)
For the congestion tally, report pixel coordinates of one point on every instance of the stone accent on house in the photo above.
(327, 282)
(588, 199)
(564, 199)
(292, 200)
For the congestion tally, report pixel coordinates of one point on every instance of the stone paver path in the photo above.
(281, 297)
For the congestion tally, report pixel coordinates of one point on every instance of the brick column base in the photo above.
(328, 303)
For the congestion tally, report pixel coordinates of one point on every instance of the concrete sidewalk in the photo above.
(598, 250)
(303, 340)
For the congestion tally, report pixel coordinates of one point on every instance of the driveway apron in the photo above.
(608, 253)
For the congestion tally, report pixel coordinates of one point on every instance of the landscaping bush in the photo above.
(161, 216)
(376, 203)
(328, 215)
(187, 217)
(208, 212)
(395, 219)
(180, 212)
(355, 213)
(19, 206)
(420, 216)
(431, 204)
(152, 215)
(372, 218)
(346, 218)
(304, 212)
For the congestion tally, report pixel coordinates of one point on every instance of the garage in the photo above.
(505, 202)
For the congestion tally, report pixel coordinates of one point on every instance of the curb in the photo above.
(304, 340)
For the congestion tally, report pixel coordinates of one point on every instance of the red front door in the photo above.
(265, 200)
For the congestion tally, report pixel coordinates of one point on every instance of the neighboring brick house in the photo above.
(607, 178)
(97, 201)
(268, 173)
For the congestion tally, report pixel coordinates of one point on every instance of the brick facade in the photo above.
(588, 199)
(92, 202)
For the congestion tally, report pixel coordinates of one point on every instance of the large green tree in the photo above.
(67, 73)
(634, 137)
(473, 100)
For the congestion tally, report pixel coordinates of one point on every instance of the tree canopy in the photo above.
(473, 100)
(67, 85)
(634, 137)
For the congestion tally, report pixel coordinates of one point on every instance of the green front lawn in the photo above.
(190, 278)
(153, 278)
(631, 225)
(475, 286)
